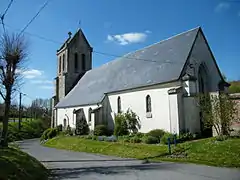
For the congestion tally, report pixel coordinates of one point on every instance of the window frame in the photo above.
(63, 61)
(90, 115)
(60, 64)
(148, 104)
(119, 105)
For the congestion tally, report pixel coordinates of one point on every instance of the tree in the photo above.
(12, 56)
(126, 123)
(235, 87)
(218, 112)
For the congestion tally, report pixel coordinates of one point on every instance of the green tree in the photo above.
(126, 123)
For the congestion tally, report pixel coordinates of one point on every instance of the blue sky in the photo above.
(118, 27)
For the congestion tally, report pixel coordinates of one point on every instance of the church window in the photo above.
(89, 115)
(76, 62)
(119, 108)
(63, 62)
(60, 63)
(64, 123)
(83, 62)
(148, 104)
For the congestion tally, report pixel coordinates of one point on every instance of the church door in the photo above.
(81, 123)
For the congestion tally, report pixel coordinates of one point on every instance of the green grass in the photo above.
(206, 151)
(17, 165)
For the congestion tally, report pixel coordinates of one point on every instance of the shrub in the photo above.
(158, 133)
(150, 140)
(49, 133)
(120, 127)
(82, 127)
(94, 137)
(52, 133)
(45, 134)
(101, 130)
(68, 131)
(164, 138)
(185, 137)
(59, 127)
(135, 139)
(221, 138)
(133, 121)
(139, 134)
(126, 123)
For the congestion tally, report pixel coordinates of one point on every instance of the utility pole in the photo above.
(19, 113)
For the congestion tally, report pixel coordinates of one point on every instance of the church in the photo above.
(159, 83)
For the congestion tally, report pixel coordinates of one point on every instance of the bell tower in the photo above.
(74, 59)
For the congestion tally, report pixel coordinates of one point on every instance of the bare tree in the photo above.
(12, 57)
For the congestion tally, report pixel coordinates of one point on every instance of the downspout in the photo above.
(169, 112)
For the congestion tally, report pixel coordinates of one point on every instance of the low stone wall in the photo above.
(236, 98)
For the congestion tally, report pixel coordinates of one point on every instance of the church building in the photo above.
(159, 83)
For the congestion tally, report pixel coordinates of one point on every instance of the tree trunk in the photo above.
(4, 140)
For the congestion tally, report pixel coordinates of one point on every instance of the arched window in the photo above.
(76, 62)
(63, 62)
(119, 108)
(148, 104)
(64, 123)
(83, 62)
(60, 63)
(89, 114)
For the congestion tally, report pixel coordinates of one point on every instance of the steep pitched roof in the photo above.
(158, 63)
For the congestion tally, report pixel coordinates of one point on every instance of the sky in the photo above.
(118, 27)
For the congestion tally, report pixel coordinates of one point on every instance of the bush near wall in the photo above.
(101, 130)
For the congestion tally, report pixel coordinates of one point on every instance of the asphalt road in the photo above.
(78, 165)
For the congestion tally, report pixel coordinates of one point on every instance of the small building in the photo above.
(159, 83)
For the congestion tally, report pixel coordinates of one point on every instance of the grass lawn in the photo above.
(206, 151)
(17, 165)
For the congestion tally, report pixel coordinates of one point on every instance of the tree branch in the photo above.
(4, 98)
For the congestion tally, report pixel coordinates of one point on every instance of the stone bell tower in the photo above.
(74, 58)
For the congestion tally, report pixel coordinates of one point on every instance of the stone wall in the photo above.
(236, 98)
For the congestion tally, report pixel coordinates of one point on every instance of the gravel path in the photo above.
(79, 165)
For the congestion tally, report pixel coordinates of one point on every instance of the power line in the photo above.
(34, 35)
(97, 52)
(34, 17)
(4, 14)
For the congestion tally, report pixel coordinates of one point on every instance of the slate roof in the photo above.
(158, 63)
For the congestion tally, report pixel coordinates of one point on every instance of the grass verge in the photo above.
(17, 165)
(207, 151)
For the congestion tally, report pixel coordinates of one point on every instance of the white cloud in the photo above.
(148, 32)
(42, 82)
(47, 87)
(32, 73)
(128, 38)
(222, 7)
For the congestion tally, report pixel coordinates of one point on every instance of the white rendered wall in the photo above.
(136, 101)
(67, 113)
